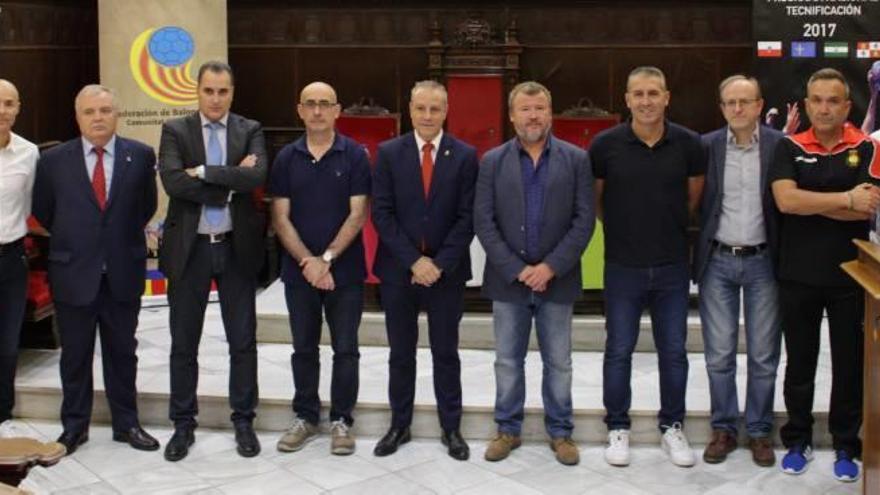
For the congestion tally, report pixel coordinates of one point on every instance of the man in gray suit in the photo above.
(210, 163)
(735, 255)
(533, 214)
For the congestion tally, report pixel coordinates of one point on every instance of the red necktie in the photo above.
(427, 167)
(98, 182)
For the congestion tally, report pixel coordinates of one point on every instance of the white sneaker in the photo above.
(617, 451)
(676, 445)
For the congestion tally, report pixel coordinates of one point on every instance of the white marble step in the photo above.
(588, 331)
(39, 395)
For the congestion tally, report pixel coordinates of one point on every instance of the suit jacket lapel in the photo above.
(766, 157)
(720, 151)
(442, 165)
(234, 142)
(121, 163)
(196, 138)
(81, 172)
(411, 164)
(510, 165)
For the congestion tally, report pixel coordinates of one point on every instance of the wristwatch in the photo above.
(328, 256)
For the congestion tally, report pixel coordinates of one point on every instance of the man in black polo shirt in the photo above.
(649, 176)
(320, 184)
(820, 183)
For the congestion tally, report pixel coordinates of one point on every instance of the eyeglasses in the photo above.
(744, 102)
(322, 104)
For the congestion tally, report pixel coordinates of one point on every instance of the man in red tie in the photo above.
(423, 194)
(95, 194)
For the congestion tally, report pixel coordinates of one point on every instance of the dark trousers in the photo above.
(187, 298)
(628, 291)
(342, 308)
(13, 293)
(444, 304)
(116, 321)
(802, 307)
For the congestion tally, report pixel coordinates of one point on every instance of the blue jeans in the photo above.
(664, 291)
(513, 325)
(720, 287)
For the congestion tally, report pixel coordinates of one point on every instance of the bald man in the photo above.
(18, 165)
(320, 184)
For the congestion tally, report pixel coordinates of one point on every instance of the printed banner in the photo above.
(150, 53)
(794, 38)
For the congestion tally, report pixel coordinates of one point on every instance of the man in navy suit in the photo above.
(423, 193)
(734, 257)
(210, 162)
(534, 217)
(95, 194)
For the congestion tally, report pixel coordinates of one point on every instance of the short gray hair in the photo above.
(429, 85)
(828, 74)
(529, 88)
(646, 71)
(95, 90)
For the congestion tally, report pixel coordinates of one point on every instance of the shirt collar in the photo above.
(631, 134)
(14, 143)
(520, 149)
(731, 138)
(301, 144)
(420, 143)
(108, 148)
(205, 121)
(851, 136)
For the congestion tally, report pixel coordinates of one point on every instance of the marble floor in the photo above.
(105, 467)
(213, 467)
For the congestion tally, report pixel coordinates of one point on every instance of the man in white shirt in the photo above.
(18, 164)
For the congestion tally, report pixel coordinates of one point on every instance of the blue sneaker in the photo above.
(796, 460)
(845, 469)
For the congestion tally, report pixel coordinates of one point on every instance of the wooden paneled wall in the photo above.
(377, 49)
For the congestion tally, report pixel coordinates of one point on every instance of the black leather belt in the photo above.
(216, 238)
(740, 250)
(11, 246)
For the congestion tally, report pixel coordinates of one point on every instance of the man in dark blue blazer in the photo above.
(423, 193)
(95, 194)
(534, 216)
(735, 259)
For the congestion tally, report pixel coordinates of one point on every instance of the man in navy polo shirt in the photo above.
(649, 176)
(821, 183)
(320, 184)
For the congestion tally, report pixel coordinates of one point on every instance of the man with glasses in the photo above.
(735, 259)
(822, 181)
(210, 163)
(649, 176)
(320, 184)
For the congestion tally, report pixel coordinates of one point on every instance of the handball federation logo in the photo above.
(161, 63)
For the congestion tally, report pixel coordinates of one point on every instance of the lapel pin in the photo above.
(446, 153)
(128, 158)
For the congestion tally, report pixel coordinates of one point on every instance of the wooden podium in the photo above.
(866, 271)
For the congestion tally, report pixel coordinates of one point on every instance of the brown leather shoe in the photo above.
(566, 450)
(501, 446)
(723, 442)
(762, 451)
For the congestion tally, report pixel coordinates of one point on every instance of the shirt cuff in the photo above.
(200, 172)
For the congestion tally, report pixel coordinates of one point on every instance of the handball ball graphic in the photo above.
(161, 62)
(874, 77)
(171, 46)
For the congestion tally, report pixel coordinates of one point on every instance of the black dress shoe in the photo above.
(178, 446)
(73, 439)
(393, 439)
(137, 438)
(246, 439)
(457, 447)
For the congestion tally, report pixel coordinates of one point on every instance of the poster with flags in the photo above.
(150, 52)
(793, 39)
